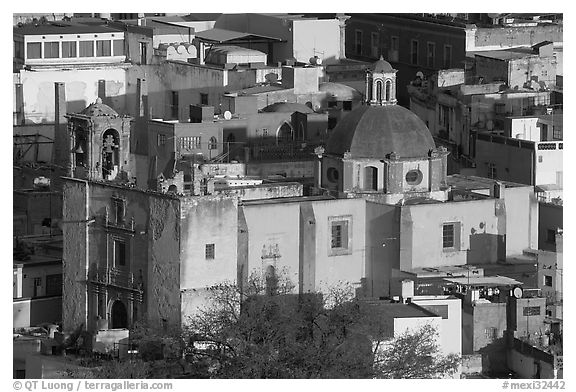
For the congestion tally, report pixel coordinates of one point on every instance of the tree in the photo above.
(262, 330)
(414, 354)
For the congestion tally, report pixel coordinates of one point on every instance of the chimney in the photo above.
(102, 90)
(407, 291)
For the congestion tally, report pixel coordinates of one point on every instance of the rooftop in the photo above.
(485, 281)
(387, 311)
(296, 199)
(508, 54)
(477, 183)
(63, 27)
(228, 36)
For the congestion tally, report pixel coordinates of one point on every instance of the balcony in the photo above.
(117, 278)
(119, 224)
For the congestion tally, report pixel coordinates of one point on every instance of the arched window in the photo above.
(388, 90)
(300, 132)
(379, 91)
(284, 134)
(81, 147)
(371, 178)
(110, 153)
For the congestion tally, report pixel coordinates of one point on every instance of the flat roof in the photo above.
(398, 309)
(229, 36)
(486, 281)
(294, 199)
(507, 54)
(258, 89)
(64, 28)
(474, 182)
(426, 272)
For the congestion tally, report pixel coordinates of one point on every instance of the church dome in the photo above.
(375, 131)
(382, 66)
(99, 109)
(287, 107)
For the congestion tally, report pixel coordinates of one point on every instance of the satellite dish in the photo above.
(227, 115)
(517, 292)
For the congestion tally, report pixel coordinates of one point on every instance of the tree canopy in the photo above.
(262, 330)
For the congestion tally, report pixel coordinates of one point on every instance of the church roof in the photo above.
(382, 66)
(375, 131)
(287, 107)
(99, 109)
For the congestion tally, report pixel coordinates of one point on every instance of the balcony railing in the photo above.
(124, 224)
(115, 277)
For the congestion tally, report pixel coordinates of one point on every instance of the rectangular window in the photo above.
(161, 139)
(431, 54)
(340, 231)
(394, 43)
(34, 50)
(119, 206)
(143, 53)
(547, 281)
(347, 106)
(68, 49)
(492, 172)
(447, 56)
(394, 51)
(339, 234)
(196, 141)
(54, 284)
(203, 99)
(556, 133)
(37, 287)
(358, 41)
(375, 44)
(174, 104)
(543, 132)
(86, 48)
(414, 52)
(51, 50)
(448, 235)
(119, 253)
(118, 47)
(103, 48)
(210, 251)
(531, 311)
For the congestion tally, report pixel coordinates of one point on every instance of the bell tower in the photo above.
(100, 143)
(381, 84)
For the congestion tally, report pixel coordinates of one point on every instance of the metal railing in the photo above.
(115, 277)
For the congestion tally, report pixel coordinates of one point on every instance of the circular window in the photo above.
(414, 177)
(333, 174)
